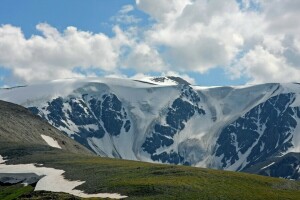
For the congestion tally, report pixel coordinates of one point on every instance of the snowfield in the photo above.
(53, 180)
(50, 141)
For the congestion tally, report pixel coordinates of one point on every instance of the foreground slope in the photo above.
(19, 126)
(139, 180)
(167, 120)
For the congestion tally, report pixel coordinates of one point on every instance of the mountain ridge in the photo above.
(215, 127)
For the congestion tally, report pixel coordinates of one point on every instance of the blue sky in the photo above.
(90, 15)
(147, 37)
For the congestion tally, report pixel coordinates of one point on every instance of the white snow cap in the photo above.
(51, 142)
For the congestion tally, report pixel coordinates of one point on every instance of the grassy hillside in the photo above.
(140, 180)
(13, 192)
(26, 193)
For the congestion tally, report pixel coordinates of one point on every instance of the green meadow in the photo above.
(140, 180)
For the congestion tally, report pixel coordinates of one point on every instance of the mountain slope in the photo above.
(18, 125)
(166, 120)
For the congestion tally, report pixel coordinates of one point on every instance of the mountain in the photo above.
(167, 120)
(32, 167)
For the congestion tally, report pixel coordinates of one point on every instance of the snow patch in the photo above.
(53, 180)
(2, 160)
(50, 141)
(268, 165)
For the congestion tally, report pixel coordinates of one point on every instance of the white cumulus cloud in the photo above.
(53, 54)
(254, 39)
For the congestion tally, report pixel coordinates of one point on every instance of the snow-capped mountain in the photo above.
(167, 120)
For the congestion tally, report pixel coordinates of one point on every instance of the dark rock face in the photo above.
(92, 116)
(286, 167)
(56, 114)
(127, 125)
(263, 131)
(8, 179)
(79, 113)
(182, 109)
(34, 110)
(178, 80)
(112, 115)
